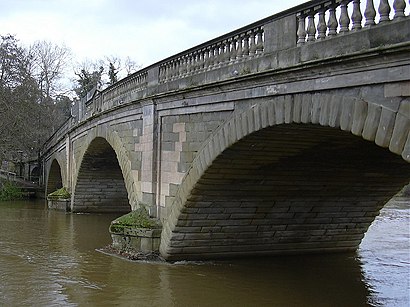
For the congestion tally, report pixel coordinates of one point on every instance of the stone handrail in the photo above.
(137, 81)
(330, 18)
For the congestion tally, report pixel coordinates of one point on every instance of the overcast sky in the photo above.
(147, 31)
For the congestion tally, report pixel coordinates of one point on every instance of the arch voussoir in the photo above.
(359, 117)
(372, 122)
(406, 150)
(385, 128)
(347, 112)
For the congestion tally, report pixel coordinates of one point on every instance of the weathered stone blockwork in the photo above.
(181, 138)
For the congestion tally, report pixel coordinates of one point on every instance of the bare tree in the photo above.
(114, 66)
(25, 123)
(102, 73)
(89, 77)
(50, 62)
(130, 66)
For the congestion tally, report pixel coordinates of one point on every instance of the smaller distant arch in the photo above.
(55, 179)
(100, 185)
(35, 174)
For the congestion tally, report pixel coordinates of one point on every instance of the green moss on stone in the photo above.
(138, 219)
(60, 194)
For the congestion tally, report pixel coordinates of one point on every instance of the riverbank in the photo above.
(9, 191)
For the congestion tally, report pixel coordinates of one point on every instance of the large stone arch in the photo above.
(193, 229)
(111, 142)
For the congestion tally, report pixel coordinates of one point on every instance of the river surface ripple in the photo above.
(49, 258)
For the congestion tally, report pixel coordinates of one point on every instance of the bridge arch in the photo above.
(55, 178)
(290, 175)
(100, 185)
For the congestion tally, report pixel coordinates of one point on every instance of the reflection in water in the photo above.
(48, 258)
(385, 256)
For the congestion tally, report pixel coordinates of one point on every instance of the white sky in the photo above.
(147, 31)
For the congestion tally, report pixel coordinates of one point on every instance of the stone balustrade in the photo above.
(134, 82)
(233, 48)
(330, 18)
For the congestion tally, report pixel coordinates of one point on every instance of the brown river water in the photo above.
(49, 258)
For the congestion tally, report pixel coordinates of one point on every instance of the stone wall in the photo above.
(181, 138)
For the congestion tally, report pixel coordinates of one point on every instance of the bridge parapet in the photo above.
(239, 52)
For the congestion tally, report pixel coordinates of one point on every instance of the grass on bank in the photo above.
(9, 191)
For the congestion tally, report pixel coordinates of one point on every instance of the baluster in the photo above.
(369, 13)
(252, 48)
(188, 64)
(172, 70)
(169, 71)
(356, 16)
(260, 44)
(196, 61)
(181, 67)
(239, 50)
(321, 25)
(176, 69)
(219, 54)
(191, 63)
(214, 56)
(233, 50)
(344, 20)
(245, 45)
(301, 33)
(164, 73)
(399, 6)
(332, 22)
(206, 59)
(211, 58)
(228, 50)
(224, 52)
(161, 73)
(311, 28)
(384, 11)
(201, 60)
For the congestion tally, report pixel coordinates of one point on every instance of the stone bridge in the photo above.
(285, 136)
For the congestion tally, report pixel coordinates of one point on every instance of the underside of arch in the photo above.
(100, 184)
(293, 188)
(55, 180)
